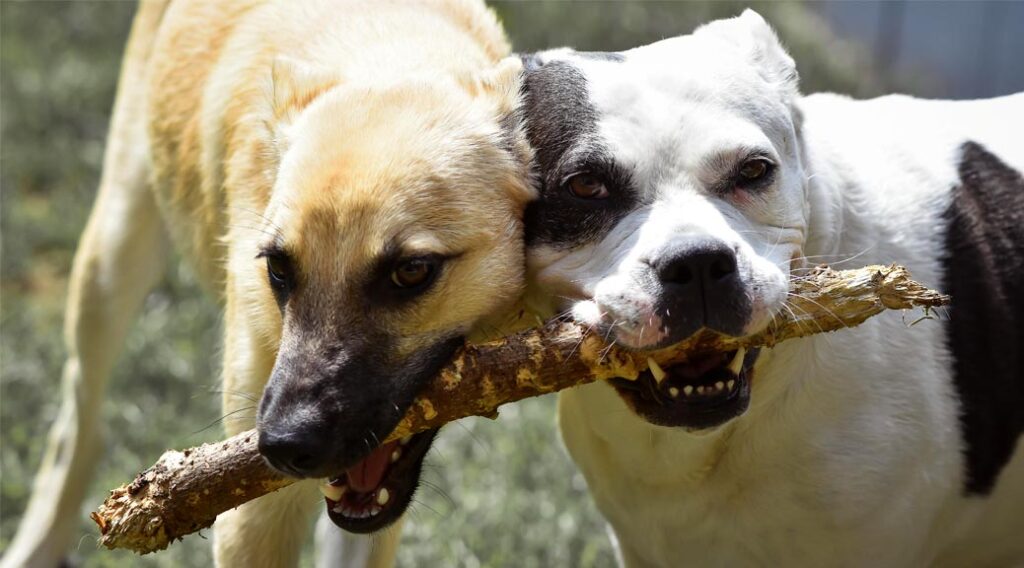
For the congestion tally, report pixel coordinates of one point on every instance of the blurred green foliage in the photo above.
(495, 494)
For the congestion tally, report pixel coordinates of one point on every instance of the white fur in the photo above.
(850, 453)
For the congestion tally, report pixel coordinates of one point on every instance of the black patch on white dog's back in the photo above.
(984, 274)
(561, 125)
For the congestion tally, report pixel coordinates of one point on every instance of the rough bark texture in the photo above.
(185, 491)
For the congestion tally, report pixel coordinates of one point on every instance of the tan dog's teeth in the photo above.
(395, 455)
(673, 391)
(383, 496)
(730, 384)
(688, 390)
(719, 385)
(656, 370)
(700, 390)
(406, 440)
(737, 362)
(332, 492)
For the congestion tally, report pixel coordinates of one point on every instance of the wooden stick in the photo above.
(186, 490)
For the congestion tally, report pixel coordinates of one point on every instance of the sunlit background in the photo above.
(495, 493)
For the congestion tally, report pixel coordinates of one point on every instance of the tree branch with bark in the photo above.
(186, 490)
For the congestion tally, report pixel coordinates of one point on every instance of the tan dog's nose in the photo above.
(293, 453)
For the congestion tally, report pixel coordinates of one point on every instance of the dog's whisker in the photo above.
(222, 418)
(437, 489)
(240, 394)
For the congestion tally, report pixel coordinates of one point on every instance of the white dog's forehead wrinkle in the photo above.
(663, 91)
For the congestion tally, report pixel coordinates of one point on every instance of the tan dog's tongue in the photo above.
(366, 475)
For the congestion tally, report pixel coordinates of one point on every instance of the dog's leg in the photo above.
(268, 531)
(335, 547)
(120, 257)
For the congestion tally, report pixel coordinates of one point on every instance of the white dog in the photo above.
(682, 184)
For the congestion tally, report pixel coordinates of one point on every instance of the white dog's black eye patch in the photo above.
(561, 124)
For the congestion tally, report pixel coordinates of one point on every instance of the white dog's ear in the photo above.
(751, 33)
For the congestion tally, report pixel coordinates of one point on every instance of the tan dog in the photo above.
(349, 178)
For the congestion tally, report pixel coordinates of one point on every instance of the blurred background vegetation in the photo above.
(495, 494)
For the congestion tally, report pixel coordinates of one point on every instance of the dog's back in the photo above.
(940, 185)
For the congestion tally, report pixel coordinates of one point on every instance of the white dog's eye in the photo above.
(754, 170)
(587, 186)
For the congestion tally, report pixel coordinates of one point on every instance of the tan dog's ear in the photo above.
(294, 84)
(500, 82)
(500, 85)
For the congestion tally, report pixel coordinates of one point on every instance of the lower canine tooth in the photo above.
(406, 440)
(332, 492)
(395, 455)
(656, 370)
(383, 496)
(673, 391)
(730, 384)
(737, 362)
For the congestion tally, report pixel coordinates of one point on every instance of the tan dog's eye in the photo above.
(415, 272)
(277, 267)
(587, 186)
(280, 274)
(753, 170)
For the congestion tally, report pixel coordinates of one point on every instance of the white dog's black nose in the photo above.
(296, 454)
(702, 266)
(700, 286)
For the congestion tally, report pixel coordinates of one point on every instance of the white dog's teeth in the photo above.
(406, 440)
(332, 492)
(395, 455)
(737, 362)
(700, 390)
(673, 391)
(656, 370)
(731, 384)
(383, 496)
(719, 385)
(688, 390)
(374, 511)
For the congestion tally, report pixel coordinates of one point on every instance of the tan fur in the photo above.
(334, 128)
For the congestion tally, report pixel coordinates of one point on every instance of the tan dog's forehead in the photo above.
(367, 175)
